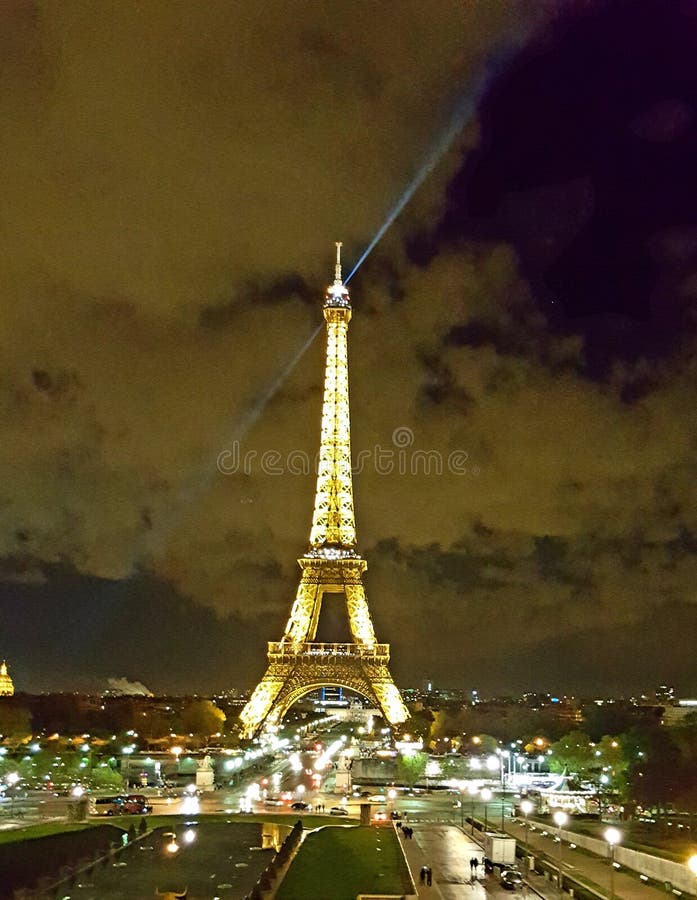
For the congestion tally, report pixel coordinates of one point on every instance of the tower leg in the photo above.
(260, 703)
(359, 614)
(302, 623)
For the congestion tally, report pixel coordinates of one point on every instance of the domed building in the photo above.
(7, 688)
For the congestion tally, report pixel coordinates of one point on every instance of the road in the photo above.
(435, 817)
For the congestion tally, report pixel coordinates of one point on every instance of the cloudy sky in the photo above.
(173, 177)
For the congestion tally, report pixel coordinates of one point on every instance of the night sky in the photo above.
(173, 177)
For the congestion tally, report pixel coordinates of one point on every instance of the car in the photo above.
(299, 805)
(273, 801)
(380, 816)
(338, 811)
(511, 879)
(377, 798)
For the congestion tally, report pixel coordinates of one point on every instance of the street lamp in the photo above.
(560, 819)
(692, 864)
(526, 808)
(12, 780)
(486, 795)
(504, 755)
(612, 836)
(473, 791)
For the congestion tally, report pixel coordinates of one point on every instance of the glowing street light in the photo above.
(560, 819)
(612, 836)
(526, 807)
(692, 864)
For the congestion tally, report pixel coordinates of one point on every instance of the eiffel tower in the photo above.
(297, 663)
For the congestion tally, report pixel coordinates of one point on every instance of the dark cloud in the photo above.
(170, 204)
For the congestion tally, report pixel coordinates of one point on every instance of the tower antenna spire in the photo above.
(337, 267)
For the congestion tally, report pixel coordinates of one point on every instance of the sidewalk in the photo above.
(416, 858)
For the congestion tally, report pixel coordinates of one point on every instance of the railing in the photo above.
(288, 650)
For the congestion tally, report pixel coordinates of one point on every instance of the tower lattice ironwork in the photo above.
(297, 663)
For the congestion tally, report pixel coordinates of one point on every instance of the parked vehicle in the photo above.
(338, 811)
(299, 805)
(499, 852)
(132, 805)
(511, 879)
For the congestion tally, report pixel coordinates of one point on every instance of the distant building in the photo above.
(665, 694)
(7, 688)
(676, 712)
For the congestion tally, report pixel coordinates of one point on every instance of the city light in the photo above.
(692, 864)
(613, 836)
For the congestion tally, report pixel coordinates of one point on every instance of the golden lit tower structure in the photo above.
(7, 688)
(297, 663)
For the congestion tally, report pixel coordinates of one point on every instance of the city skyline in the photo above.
(522, 359)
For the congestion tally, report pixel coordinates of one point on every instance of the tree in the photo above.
(656, 773)
(15, 720)
(613, 718)
(572, 753)
(419, 724)
(105, 777)
(486, 743)
(411, 767)
(202, 718)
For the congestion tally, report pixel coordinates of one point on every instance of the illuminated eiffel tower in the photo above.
(297, 663)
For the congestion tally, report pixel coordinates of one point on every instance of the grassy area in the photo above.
(23, 863)
(336, 863)
(218, 860)
(43, 829)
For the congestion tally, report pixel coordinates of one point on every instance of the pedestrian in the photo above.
(422, 875)
(429, 876)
